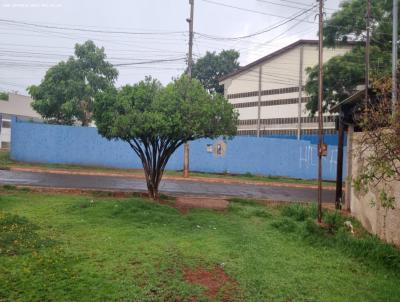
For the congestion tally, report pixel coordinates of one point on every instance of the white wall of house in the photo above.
(19, 106)
(278, 71)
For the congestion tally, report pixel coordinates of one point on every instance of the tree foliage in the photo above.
(210, 68)
(156, 120)
(67, 92)
(3, 96)
(379, 144)
(343, 73)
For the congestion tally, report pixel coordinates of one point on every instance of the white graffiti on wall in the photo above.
(308, 157)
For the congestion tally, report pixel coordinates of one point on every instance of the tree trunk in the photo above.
(154, 156)
(152, 186)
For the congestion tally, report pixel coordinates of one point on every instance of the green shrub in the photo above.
(262, 213)
(285, 224)
(9, 187)
(333, 220)
(365, 247)
(299, 212)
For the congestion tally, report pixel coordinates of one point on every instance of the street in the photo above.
(174, 187)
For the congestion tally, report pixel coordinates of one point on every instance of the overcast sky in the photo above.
(152, 30)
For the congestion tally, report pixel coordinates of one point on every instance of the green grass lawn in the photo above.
(95, 248)
(6, 162)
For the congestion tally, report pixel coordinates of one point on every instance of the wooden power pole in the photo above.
(321, 148)
(189, 72)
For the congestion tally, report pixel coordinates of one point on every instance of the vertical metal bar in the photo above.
(189, 72)
(394, 54)
(301, 67)
(339, 167)
(259, 102)
(350, 132)
(320, 115)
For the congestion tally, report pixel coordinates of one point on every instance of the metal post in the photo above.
(339, 167)
(367, 46)
(394, 54)
(350, 132)
(301, 67)
(320, 115)
(259, 102)
(189, 72)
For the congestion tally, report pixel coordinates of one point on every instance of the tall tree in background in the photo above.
(212, 66)
(155, 121)
(3, 96)
(67, 92)
(343, 73)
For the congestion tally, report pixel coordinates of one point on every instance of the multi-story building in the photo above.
(19, 106)
(269, 93)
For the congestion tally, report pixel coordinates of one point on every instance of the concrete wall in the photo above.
(376, 219)
(34, 142)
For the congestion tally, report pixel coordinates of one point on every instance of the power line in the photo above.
(151, 62)
(246, 9)
(88, 30)
(259, 32)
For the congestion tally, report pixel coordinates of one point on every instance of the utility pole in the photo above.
(189, 72)
(394, 55)
(367, 46)
(301, 70)
(320, 116)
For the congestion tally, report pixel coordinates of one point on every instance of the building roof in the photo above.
(273, 55)
(18, 105)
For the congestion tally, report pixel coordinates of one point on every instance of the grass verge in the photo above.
(98, 248)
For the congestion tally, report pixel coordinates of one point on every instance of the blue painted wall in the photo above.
(330, 139)
(34, 142)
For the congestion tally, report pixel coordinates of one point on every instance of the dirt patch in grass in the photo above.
(216, 282)
(184, 204)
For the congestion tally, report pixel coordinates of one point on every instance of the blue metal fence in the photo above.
(33, 142)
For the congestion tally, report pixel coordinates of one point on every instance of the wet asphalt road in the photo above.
(174, 187)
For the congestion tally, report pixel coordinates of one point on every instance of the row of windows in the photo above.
(284, 132)
(264, 92)
(271, 103)
(287, 120)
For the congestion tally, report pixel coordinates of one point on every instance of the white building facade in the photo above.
(269, 93)
(19, 106)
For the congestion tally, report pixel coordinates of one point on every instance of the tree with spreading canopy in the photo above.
(156, 120)
(212, 66)
(67, 92)
(343, 73)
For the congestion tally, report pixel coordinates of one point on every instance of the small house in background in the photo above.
(19, 106)
(269, 93)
